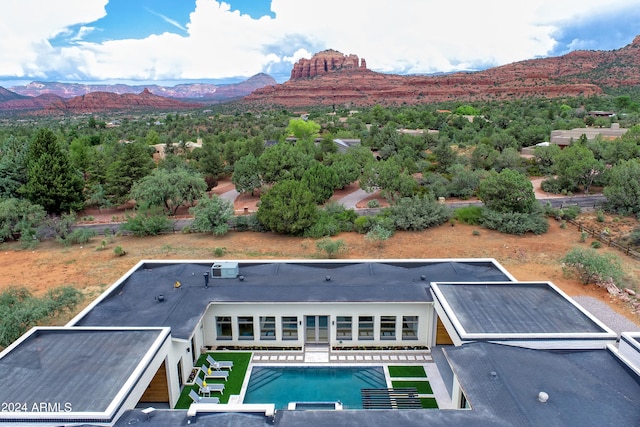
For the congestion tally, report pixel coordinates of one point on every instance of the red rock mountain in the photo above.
(325, 62)
(103, 101)
(322, 80)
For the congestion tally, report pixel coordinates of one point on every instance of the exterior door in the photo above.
(317, 329)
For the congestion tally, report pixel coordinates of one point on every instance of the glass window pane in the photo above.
(344, 327)
(365, 327)
(289, 328)
(387, 327)
(409, 327)
(267, 327)
(223, 327)
(245, 327)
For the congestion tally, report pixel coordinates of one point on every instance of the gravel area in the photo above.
(617, 322)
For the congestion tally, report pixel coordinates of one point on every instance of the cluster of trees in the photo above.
(65, 166)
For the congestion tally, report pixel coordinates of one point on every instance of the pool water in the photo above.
(297, 384)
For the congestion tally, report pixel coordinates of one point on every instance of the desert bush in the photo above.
(418, 213)
(590, 266)
(19, 219)
(147, 222)
(378, 235)
(373, 203)
(468, 215)
(118, 251)
(56, 227)
(19, 310)
(212, 215)
(515, 222)
(331, 248)
(219, 252)
(77, 236)
(596, 244)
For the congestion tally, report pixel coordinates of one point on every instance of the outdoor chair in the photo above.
(219, 364)
(213, 374)
(199, 399)
(209, 388)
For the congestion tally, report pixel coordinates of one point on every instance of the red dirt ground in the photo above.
(90, 269)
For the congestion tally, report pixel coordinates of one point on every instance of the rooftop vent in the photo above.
(225, 270)
(543, 397)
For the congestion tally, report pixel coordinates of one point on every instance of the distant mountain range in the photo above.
(331, 78)
(52, 97)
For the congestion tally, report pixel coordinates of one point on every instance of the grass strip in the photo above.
(407, 371)
(423, 387)
(233, 385)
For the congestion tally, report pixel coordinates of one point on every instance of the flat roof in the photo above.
(65, 374)
(135, 299)
(583, 387)
(513, 308)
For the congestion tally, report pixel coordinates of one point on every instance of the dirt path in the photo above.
(526, 257)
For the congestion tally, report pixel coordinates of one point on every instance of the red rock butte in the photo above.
(325, 62)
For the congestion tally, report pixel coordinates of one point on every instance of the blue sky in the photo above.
(207, 40)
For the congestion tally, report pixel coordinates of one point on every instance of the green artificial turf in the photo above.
(423, 387)
(429, 403)
(233, 385)
(407, 371)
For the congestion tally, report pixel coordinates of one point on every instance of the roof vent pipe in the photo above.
(206, 279)
(423, 277)
(543, 397)
(327, 278)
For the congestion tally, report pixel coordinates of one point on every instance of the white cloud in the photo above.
(410, 36)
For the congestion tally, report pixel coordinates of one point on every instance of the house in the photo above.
(564, 137)
(509, 352)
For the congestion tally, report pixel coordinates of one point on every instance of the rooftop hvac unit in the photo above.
(225, 270)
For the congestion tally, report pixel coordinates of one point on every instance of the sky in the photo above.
(164, 41)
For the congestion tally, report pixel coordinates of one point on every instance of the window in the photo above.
(409, 327)
(365, 327)
(343, 327)
(245, 327)
(387, 327)
(289, 328)
(267, 328)
(223, 328)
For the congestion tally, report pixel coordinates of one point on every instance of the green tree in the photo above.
(577, 165)
(303, 129)
(169, 189)
(52, 182)
(288, 208)
(623, 189)
(507, 191)
(246, 174)
(444, 155)
(545, 157)
(321, 180)
(389, 177)
(132, 162)
(209, 159)
(284, 161)
(212, 215)
(13, 166)
(19, 219)
(484, 157)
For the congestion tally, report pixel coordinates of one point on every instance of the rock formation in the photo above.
(330, 78)
(326, 62)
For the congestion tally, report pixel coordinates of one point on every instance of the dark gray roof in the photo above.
(86, 370)
(589, 388)
(521, 308)
(133, 302)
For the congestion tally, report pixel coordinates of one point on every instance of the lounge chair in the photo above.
(199, 399)
(219, 364)
(209, 388)
(210, 373)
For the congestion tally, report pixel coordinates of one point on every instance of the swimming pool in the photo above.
(281, 385)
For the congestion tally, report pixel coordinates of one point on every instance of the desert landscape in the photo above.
(92, 267)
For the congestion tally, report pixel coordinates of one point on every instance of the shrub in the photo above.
(118, 251)
(362, 224)
(418, 213)
(212, 215)
(378, 234)
(475, 232)
(219, 252)
(468, 215)
(515, 222)
(600, 216)
(590, 266)
(77, 236)
(583, 236)
(596, 244)
(147, 222)
(56, 227)
(331, 247)
(373, 203)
